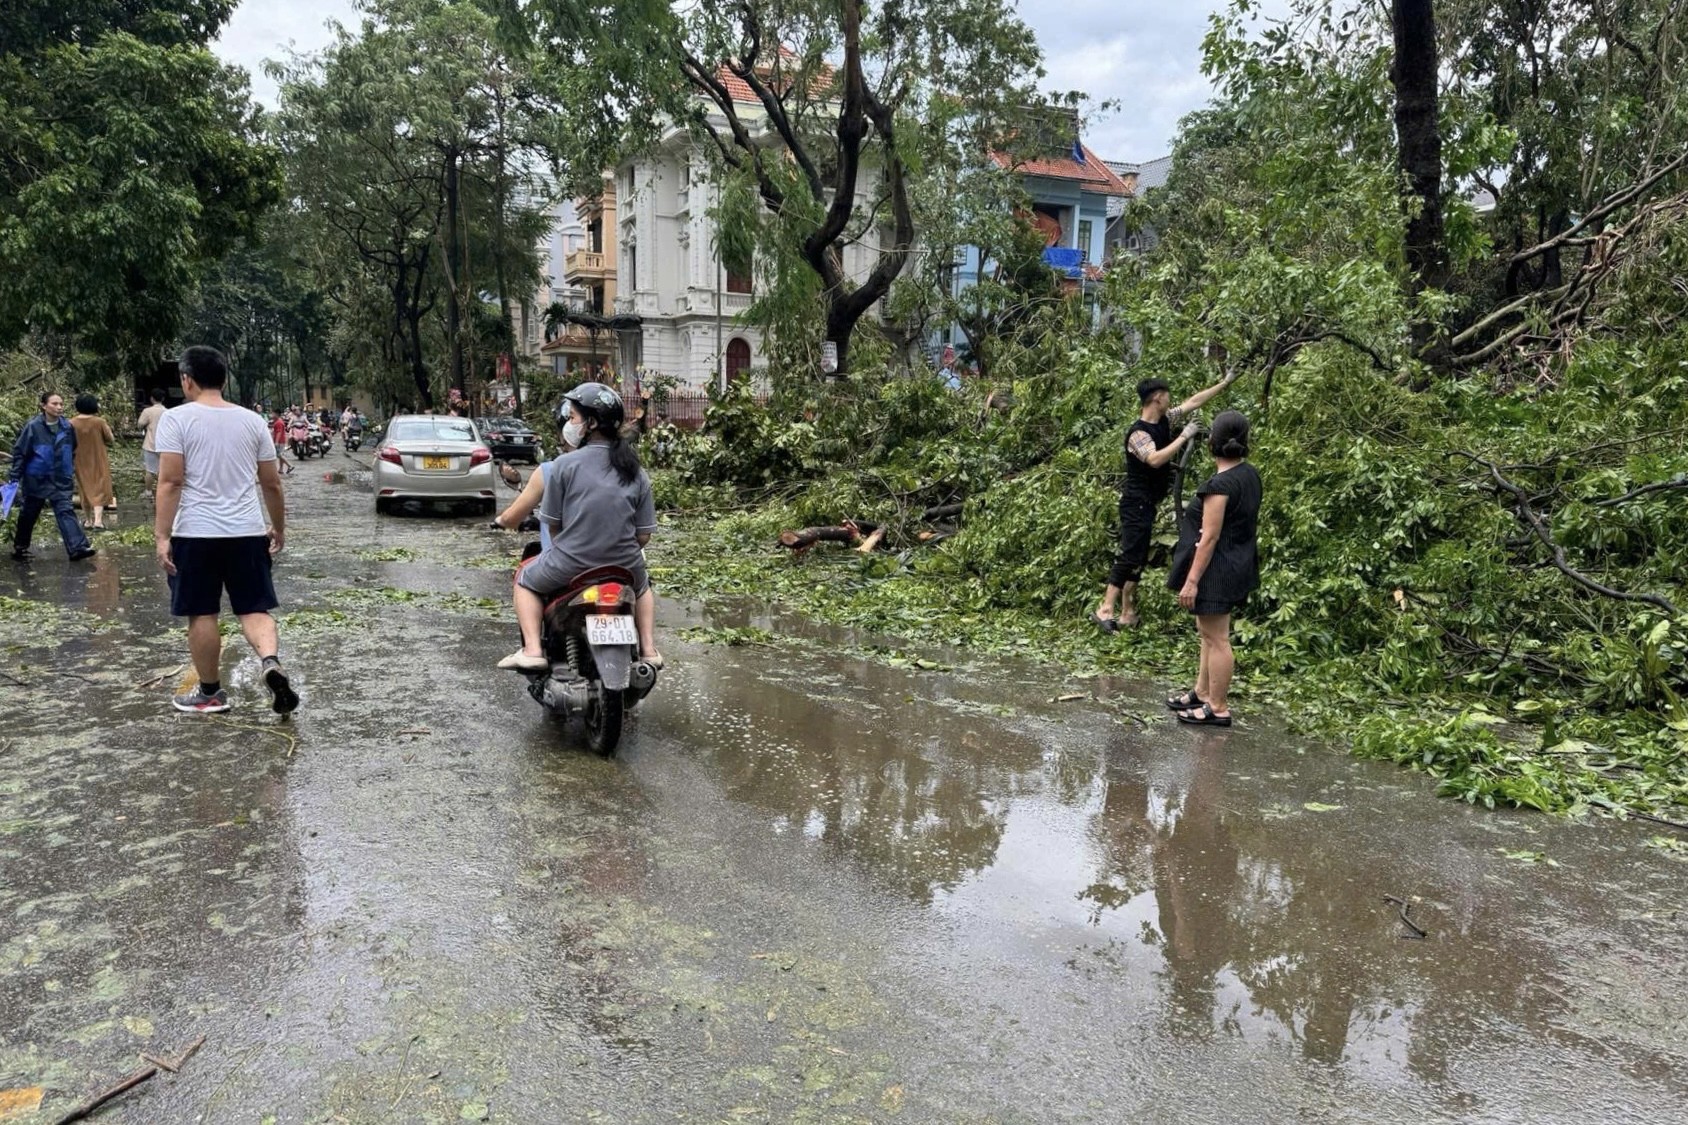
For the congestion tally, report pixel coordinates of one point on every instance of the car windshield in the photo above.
(432, 429)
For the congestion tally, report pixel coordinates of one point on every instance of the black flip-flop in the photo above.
(1203, 716)
(1106, 624)
(1189, 701)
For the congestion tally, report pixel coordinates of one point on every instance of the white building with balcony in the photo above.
(670, 273)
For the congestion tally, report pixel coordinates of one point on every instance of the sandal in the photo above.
(1106, 624)
(1189, 701)
(1203, 716)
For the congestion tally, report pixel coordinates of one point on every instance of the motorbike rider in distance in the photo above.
(599, 512)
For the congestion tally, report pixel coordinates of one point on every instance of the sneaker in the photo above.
(283, 699)
(197, 701)
(84, 553)
(22, 554)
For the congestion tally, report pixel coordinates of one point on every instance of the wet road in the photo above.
(813, 887)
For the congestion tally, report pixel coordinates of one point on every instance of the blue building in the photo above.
(1073, 200)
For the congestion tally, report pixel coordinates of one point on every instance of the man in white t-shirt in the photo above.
(149, 445)
(216, 479)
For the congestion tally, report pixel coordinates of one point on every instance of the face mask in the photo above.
(574, 433)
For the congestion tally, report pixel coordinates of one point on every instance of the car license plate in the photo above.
(436, 462)
(611, 629)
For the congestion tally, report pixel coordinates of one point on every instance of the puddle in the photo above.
(820, 882)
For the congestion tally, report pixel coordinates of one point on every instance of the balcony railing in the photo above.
(586, 263)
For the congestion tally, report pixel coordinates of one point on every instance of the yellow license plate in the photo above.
(436, 462)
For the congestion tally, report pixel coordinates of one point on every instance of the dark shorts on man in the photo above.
(207, 567)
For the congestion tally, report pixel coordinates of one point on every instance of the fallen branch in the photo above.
(1677, 824)
(850, 531)
(809, 536)
(88, 1107)
(941, 512)
(1680, 480)
(175, 1064)
(1417, 932)
(14, 680)
(1600, 211)
(872, 541)
(1532, 519)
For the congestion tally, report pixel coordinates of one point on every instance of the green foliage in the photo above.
(413, 147)
(130, 159)
(1405, 595)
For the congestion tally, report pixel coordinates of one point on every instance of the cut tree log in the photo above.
(809, 536)
(941, 512)
(850, 531)
(872, 541)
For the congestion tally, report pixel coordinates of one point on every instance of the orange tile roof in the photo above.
(1093, 173)
(737, 87)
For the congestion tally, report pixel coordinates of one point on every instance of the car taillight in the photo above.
(389, 454)
(480, 456)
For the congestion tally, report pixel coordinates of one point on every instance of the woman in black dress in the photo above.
(1214, 571)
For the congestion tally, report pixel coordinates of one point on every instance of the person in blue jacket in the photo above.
(42, 466)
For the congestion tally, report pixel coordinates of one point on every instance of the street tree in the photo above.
(822, 115)
(417, 141)
(129, 160)
(1414, 76)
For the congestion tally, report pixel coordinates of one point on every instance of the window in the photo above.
(738, 277)
(1084, 239)
(632, 267)
(738, 359)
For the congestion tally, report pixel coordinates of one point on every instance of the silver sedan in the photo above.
(430, 457)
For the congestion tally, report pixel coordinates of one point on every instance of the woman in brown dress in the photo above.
(93, 463)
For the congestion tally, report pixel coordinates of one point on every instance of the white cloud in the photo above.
(263, 29)
(1143, 54)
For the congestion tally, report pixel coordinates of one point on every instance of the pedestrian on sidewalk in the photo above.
(1150, 451)
(43, 466)
(149, 438)
(92, 461)
(216, 479)
(1216, 566)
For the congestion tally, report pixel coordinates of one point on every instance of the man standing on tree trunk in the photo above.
(1150, 450)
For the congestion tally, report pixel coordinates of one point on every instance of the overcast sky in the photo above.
(1145, 54)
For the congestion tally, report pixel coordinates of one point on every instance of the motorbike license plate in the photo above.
(436, 462)
(611, 629)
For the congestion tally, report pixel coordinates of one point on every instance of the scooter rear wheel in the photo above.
(603, 721)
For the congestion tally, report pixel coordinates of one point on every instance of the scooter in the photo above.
(299, 442)
(354, 440)
(589, 637)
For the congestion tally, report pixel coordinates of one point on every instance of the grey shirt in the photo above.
(600, 518)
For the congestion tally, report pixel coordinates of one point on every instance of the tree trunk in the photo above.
(1419, 135)
(418, 369)
(840, 327)
(454, 268)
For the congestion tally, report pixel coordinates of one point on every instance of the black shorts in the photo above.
(207, 567)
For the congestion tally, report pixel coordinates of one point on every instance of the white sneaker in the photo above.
(521, 662)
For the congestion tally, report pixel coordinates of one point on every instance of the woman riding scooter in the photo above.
(599, 512)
